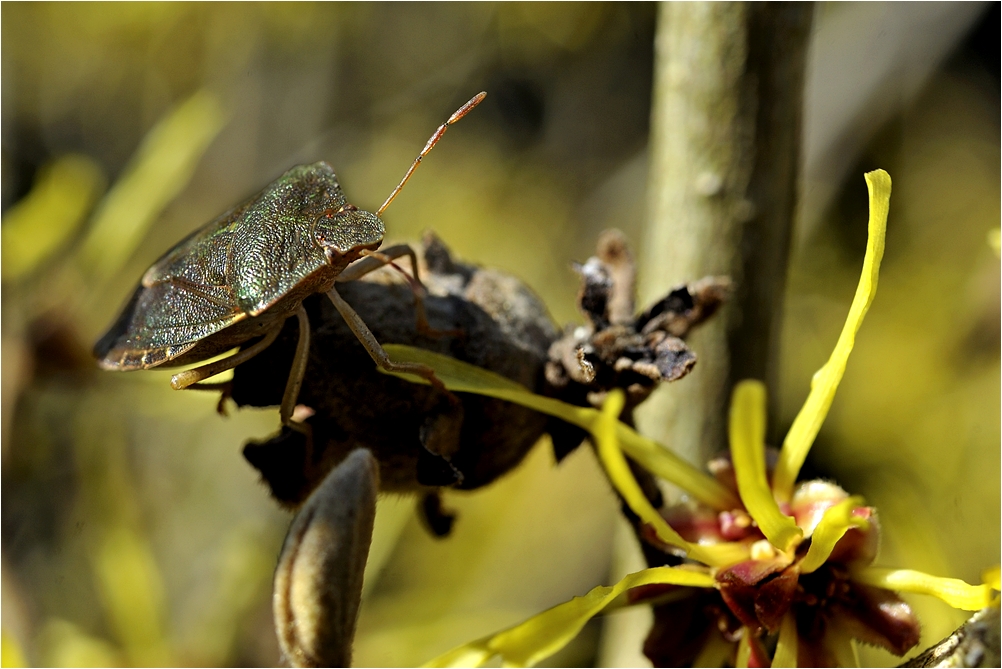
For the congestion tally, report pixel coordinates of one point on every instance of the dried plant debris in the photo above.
(618, 348)
(425, 439)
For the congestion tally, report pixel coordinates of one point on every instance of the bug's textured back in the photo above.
(237, 266)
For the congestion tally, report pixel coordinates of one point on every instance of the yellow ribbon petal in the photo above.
(716, 652)
(992, 577)
(825, 382)
(662, 462)
(604, 431)
(464, 377)
(786, 647)
(543, 635)
(840, 643)
(11, 653)
(744, 650)
(746, 429)
(953, 591)
(833, 525)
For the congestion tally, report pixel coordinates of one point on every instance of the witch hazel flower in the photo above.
(767, 571)
(807, 588)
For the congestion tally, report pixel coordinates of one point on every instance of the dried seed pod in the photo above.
(420, 439)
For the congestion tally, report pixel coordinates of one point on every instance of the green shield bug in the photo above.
(242, 275)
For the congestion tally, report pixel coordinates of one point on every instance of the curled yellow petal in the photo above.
(992, 577)
(833, 525)
(744, 650)
(543, 635)
(464, 377)
(615, 465)
(746, 429)
(786, 647)
(662, 462)
(825, 382)
(605, 433)
(953, 591)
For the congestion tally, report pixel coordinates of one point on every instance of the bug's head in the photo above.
(345, 232)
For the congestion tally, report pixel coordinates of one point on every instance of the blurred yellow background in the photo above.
(133, 531)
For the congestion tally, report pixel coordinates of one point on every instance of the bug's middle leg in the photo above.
(224, 388)
(376, 351)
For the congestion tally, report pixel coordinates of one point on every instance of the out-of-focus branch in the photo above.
(973, 644)
(725, 138)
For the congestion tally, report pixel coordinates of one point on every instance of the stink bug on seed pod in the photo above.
(242, 275)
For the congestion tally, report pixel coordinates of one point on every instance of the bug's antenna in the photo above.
(459, 113)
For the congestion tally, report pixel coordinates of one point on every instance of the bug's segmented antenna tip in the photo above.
(465, 109)
(432, 141)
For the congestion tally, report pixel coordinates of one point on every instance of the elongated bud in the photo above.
(318, 581)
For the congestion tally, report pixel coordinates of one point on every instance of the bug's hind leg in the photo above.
(224, 388)
(298, 370)
(190, 377)
(437, 519)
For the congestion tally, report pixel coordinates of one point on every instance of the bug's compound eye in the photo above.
(331, 213)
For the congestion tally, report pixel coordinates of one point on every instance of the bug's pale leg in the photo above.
(221, 386)
(376, 352)
(298, 370)
(224, 388)
(184, 379)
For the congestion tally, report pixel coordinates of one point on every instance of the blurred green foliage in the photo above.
(63, 193)
(134, 533)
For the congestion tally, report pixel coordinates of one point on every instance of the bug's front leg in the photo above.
(373, 260)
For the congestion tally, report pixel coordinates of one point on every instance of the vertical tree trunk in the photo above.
(725, 137)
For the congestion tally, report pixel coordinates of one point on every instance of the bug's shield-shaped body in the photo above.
(242, 274)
